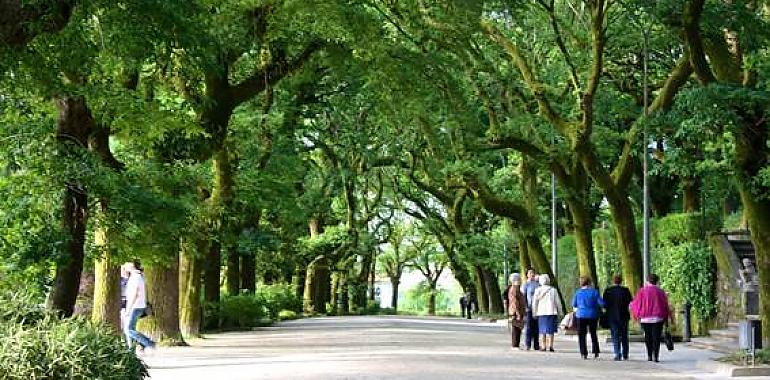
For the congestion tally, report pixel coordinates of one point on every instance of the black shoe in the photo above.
(656, 360)
(617, 359)
(649, 359)
(585, 357)
(551, 349)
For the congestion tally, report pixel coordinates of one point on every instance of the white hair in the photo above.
(544, 279)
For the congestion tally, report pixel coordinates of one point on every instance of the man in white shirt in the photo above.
(136, 302)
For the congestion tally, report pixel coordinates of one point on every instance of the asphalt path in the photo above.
(391, 347)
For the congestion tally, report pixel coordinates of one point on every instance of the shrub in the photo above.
(38, 345)
(250, 310)
(285, 315)
(279, 297)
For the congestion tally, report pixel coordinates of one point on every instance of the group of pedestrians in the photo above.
(468, 304)
(534, 307)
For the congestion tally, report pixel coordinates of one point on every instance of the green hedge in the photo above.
(684, 261)
(36, 344)
(244, 311)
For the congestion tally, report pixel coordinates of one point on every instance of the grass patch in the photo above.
(741, 357)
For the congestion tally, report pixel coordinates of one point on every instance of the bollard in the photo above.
(687, 325)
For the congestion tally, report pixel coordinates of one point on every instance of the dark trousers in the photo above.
(585, 325)
(462, 309)
(619, 331)
(515, 336)
(469, 309)
(652, 333)
(531, 338)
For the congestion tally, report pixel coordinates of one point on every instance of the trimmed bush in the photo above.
(245, 311)
(38, 345)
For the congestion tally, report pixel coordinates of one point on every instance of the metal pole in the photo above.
(646, 186)
(554, 248)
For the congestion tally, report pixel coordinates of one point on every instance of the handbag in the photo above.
(603, 321)
(568, 322)
(668, 339)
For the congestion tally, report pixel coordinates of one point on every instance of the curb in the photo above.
(732, 370)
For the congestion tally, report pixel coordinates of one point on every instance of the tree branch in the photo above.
(276, 70)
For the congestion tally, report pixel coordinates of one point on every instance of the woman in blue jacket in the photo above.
(587, 304)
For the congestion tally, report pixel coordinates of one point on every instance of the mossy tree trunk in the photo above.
(482, 293)
(162, 286)
(106, 306)
(317, 281)
(493, 292)
(190, 273)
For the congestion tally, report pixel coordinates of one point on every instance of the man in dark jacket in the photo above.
(617, 298)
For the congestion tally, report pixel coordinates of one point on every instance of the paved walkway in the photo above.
(401, 348)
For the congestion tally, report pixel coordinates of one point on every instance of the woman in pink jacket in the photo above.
(650, 309)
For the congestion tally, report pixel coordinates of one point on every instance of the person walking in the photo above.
(473, 304)
(587, 304)
(650, 308)
(136, 302)
(528, 289)
(617, 298)
(546, 307)
(517, 310)
(464, 304)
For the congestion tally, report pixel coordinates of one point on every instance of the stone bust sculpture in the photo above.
(748, 276)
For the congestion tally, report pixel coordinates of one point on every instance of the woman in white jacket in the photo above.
(547, 308)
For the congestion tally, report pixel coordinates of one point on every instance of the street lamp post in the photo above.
(646, 186)
(554, 248)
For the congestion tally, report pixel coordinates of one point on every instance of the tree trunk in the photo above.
(316, 286)
(624, 224)
(162, 284)
(106, 306)
(233, 273)
(752, 156)
(541, 264)
(190, 271)
(334, 293)
(73, 126)
(482, 293)
(690, 195)
(248, 273)
(582, 227)
(432, 299)
(212, 273)
(394, 282)
(494, 293)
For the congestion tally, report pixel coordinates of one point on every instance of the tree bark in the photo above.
(690, 195)
(494, 293)
(482, 293)
(106, 307)
(316, 286)
(624, 224)
(582, 228)
(73, 126)
(248, 273)
(162, 285)
(233, 273)
(432, 299)
(752, 156)
(394, 297)
(190, 272)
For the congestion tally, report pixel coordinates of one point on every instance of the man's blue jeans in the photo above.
(132, 334)
(619, 331)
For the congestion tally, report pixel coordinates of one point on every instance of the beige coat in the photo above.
(545, 301)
